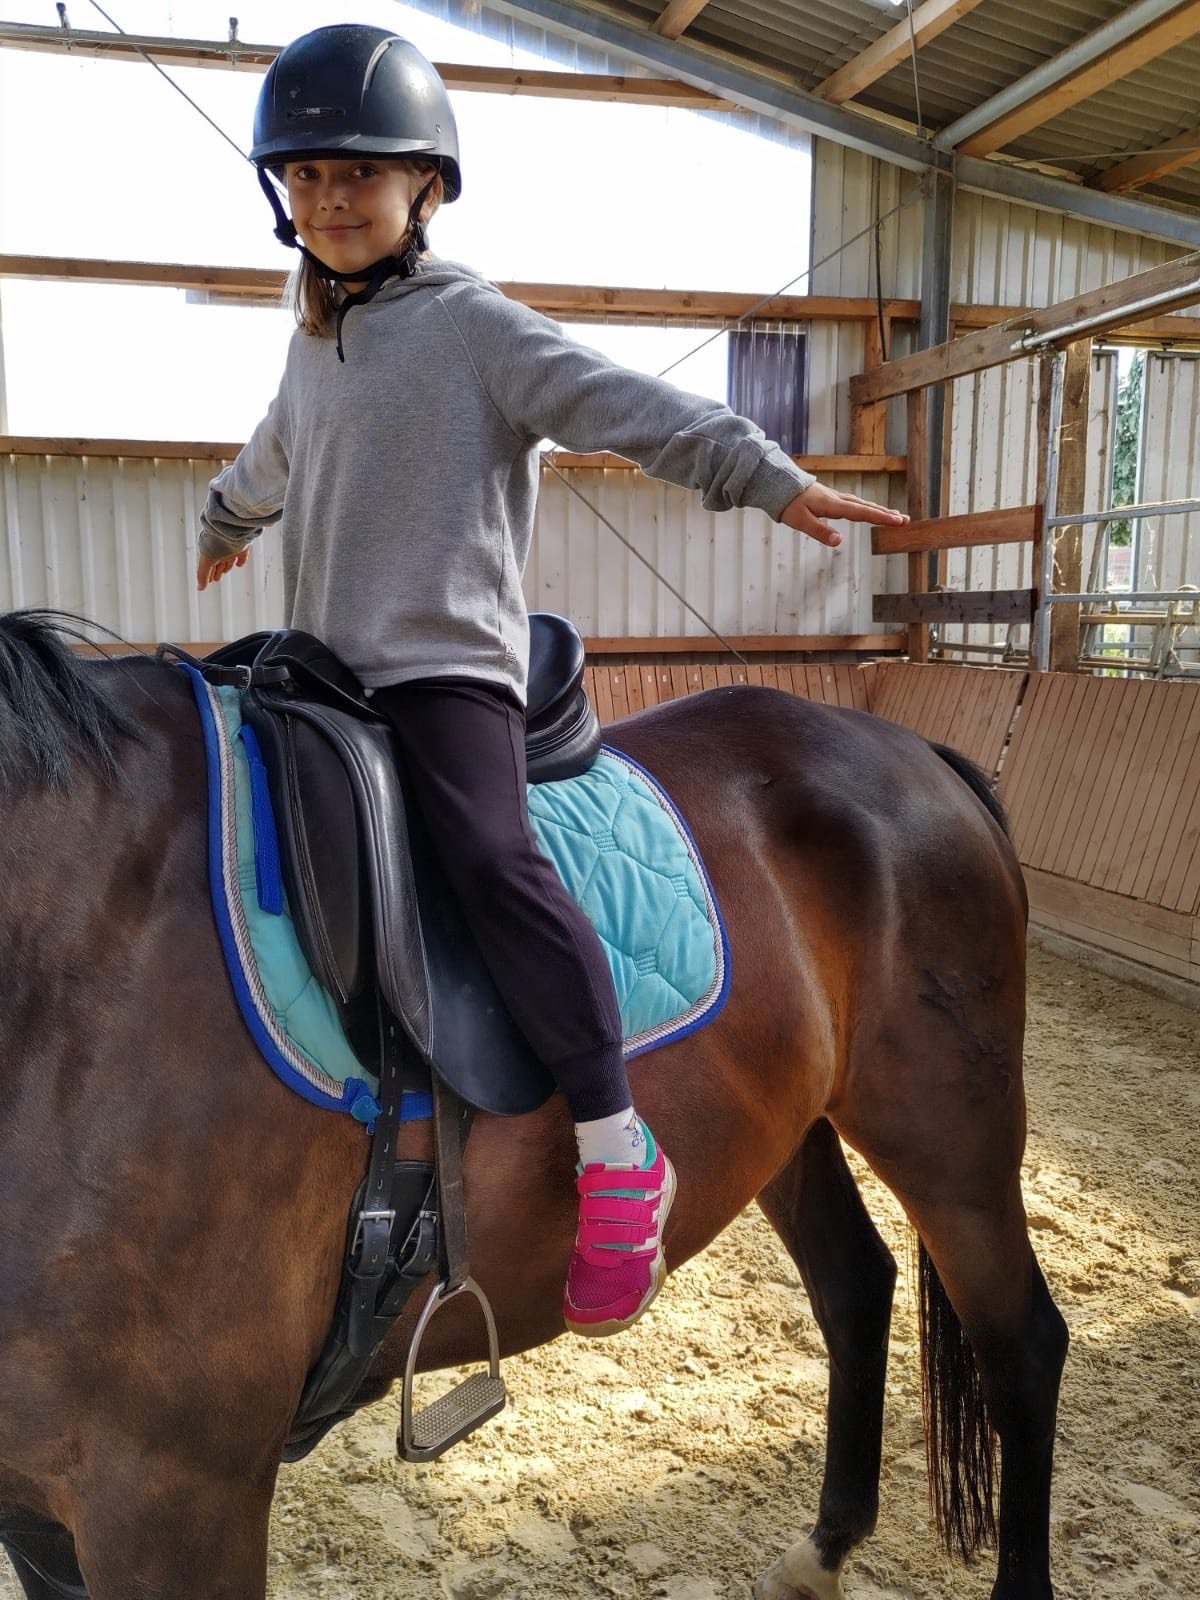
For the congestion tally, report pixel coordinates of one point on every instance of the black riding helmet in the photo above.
(351, 90)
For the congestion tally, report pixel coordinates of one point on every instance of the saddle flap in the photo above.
(346, 860)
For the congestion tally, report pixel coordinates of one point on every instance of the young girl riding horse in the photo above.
(400, 457)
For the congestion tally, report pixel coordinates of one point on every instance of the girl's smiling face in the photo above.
(352, 213)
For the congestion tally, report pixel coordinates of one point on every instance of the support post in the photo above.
(936, 246)
(918, 509)
(868, 423)
(1063, 405)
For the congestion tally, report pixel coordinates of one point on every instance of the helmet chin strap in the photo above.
(401, 264)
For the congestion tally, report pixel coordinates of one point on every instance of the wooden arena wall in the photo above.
(1100, 778)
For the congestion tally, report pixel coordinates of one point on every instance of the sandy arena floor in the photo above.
(714, 1408)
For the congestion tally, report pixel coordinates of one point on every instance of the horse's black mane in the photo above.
(976, 779)
(53, 707)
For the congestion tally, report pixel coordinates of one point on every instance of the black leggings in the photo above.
(463, 746)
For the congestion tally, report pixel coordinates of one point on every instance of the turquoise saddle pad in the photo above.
(617, 840)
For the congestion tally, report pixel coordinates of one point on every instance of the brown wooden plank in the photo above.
(929, 691)
(902, 682)
(1108, 306)
(867, 680)
(1138, 755)
(980, 744)
(744, 644)
(1016, 763)
(1142, 755)
(888, 688)
(1138, 930)
(1177, 27)
(1181, 151)
(1053, 730)
(1010, 525)
(924, 23)
(1043, 800)
(814, 677)
(1131, 709)
(1188, 898)
(708, 677)
(1006, 713)
(726, 675)
(1182, 794)
(680, 682)
(1058, 797)
(963, 720)
(603, 696)
(1186, 870)
(868, 424)
(1020, 777)
(958, 605)
(1105, 748)
(953, 683)
(1155, 802)
(916, 420)
(619, 692)
(1072, 478)
(1078, 751)
(633, 688)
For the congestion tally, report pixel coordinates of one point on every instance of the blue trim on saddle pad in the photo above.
(619, 844)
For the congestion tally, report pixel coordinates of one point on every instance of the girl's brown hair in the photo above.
(315, 299)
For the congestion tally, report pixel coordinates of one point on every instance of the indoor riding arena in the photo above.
(947, 254)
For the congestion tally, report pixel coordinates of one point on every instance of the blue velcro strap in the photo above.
(268, 875)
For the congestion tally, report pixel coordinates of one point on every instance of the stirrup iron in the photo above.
(430, 1432)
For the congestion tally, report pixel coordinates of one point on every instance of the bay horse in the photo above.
(172, 1218)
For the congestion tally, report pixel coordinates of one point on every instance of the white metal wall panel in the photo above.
(1003, 254)
(115, 540)
(1168, 548)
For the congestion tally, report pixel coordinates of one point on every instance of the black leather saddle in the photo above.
(372, 909)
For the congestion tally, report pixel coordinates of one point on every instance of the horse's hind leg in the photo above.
(991, 1325)
(815, 1207)
(938, 1111)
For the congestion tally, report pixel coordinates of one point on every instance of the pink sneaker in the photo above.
(617, 1267)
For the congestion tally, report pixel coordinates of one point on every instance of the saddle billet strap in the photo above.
(367, 1263)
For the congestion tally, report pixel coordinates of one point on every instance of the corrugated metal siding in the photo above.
(1004, 254)
(115, 541)
(1168, 548)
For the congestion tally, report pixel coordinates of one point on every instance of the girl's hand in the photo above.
(209, 570)
(806, 511)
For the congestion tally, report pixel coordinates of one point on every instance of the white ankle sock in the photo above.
(619, 1139)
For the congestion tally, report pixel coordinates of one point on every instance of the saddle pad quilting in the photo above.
(617, 840)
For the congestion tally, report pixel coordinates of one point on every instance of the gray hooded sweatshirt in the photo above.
(405, 480)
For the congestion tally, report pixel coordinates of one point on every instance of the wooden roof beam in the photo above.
(1075, 74)
(1181, 151)
(573, 302)
(679, 14)
(888, 51)
(1115, 305)
(101, 46)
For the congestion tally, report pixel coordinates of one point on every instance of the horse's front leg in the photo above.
(849, 1273)
(169, 1530)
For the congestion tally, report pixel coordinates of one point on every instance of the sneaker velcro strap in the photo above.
(610, 1233)
(606, 1179)
(616, 1208)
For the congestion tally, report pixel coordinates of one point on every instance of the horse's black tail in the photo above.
(960, 1443)
(975, 778)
